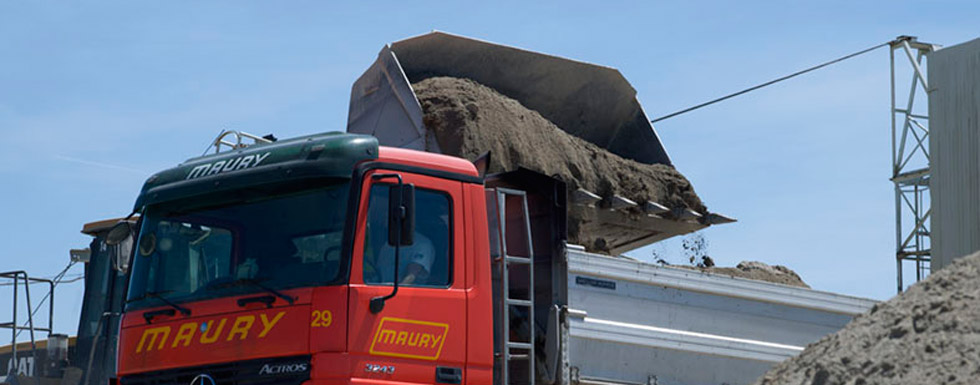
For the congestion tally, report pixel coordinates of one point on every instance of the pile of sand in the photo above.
(755, 270)
(468, 119)
(928, 335)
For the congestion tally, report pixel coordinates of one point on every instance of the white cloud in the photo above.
(100, 164)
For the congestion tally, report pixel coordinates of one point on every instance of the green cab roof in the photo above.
(318, 156)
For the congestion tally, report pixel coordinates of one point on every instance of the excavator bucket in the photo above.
(592, 102)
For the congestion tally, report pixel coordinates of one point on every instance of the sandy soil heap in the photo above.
(758, 271)
(928, 335)
(468, 119)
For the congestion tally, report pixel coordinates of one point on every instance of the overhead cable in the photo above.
(771, 82)
(56, 280)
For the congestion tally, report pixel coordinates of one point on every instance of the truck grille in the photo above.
(270, 371)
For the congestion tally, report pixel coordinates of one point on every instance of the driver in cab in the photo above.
(415, 263)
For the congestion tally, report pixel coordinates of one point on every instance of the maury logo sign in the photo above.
(208, 332)
(239, 163)
(396, 337)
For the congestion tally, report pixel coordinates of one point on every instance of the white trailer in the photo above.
(630, 322)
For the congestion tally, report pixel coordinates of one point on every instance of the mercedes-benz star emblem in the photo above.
(203, 379)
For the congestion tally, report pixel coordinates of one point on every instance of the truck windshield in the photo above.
(253, 245)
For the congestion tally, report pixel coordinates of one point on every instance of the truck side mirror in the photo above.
(121, 236)
(401, 228)
(401, 215)
(118, 233)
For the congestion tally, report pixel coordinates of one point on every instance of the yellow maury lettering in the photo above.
(409, 339)
(396, 337)
(156, 338)
(152, 334)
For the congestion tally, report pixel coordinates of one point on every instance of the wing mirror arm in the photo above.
(401, 228)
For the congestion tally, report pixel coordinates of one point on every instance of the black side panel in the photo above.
(98, 324)
(270, 371)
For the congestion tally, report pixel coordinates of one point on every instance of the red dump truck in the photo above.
(333, 259)
(277, 262)
(329, 259)
(369, 258)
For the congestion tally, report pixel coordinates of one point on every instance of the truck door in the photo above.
(419, 335)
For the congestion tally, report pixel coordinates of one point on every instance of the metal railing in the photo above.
(18, 278)
(237, 142)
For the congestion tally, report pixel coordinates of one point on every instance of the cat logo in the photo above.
(396, 337)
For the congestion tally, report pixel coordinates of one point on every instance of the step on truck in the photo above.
(329, 259)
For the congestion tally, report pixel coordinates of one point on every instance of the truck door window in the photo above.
(424, 263)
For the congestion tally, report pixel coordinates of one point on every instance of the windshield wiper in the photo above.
(159, 295)
(250, 281)
(183, 310)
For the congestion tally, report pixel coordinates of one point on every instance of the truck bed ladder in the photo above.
(512, 252)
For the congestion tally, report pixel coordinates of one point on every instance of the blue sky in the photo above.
(96, 97)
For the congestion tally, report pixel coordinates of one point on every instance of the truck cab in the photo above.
(273, 263)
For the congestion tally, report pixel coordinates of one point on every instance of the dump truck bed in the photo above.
(636, 323)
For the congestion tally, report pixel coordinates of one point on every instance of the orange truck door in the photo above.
(420, 334)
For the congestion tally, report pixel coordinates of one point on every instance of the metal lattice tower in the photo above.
(910, 159)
